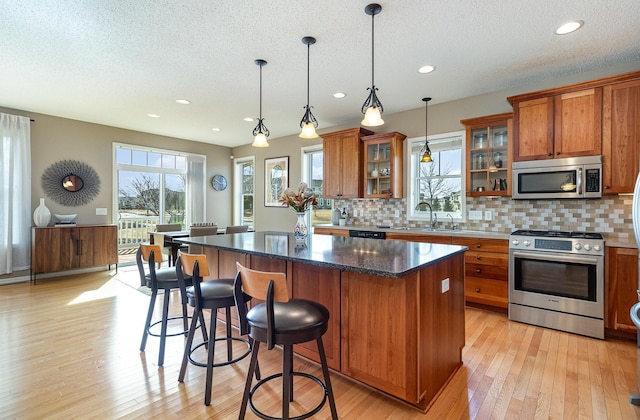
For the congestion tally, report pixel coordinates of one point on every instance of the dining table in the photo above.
(171, 243)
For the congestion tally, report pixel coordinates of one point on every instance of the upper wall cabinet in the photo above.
(620, 136)
(557, 125)
(343, 163)
(489, 155)
(383, 165)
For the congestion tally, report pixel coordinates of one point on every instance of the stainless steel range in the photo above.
(556, 280)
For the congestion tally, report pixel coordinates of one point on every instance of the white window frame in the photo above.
(411, 174)
(237, 189)
(305, 170)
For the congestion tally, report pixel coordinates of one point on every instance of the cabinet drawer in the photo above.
(486, 258)
(330, 231)
(486, 271)
(486, 291)
(488, 245)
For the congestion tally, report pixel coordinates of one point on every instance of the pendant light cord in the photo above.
(308, 64)
(372, 48)
(260, 93)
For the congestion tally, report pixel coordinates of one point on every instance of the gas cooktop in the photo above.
(557, 234)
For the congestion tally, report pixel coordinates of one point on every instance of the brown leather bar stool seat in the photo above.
(213, 295)
(280, 321)
(164, 279)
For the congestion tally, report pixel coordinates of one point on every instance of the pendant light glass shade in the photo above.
(309, 122)
(426, 152)
(261, 132)
(372, 107)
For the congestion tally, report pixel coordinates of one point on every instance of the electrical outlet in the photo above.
(396, 214)
(101, 211)
(445, 285)
(475, 215)
(488, 215)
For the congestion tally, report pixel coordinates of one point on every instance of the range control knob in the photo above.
(515, 242)
(578, 246)
(526, 243)
(597, 248)
(587, 247)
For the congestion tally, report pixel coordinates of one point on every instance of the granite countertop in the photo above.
(420, 231)
(369, 256)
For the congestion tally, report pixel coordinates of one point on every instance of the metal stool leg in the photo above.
(247, 387)
(210, 356)
(152, 303)
(163, 328)
(287, 379)
(187, 347)
(327, 379)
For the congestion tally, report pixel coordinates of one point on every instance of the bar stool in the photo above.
(161, 279)
(213, 295)
(280, 321)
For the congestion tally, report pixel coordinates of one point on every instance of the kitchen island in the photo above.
(397, 307)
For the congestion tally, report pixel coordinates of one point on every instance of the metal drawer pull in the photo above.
(478, 290)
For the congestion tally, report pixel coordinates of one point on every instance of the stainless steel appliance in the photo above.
(367, 234)
(556, 280)
(579, 177)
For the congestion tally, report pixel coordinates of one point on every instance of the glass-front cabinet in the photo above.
(489, 155)
(383, 165)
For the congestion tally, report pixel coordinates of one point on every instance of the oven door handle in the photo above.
(544, 256)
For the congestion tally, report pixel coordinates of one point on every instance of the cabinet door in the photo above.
(351, 157)
(578, 123)
(383, 165)
(620, 137)
(104, 241)
(622, 285)
(533, 121)
(53, 249)
(332, 163)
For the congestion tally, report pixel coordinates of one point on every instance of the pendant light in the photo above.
(309, 122)
(372, 108)
(260, 132)
(426, 152)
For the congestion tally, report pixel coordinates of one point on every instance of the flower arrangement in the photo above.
(301, 200)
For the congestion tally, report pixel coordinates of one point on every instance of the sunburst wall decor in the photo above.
(53, 177)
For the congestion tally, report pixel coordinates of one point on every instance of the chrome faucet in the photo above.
(453, 226)
(432, 223)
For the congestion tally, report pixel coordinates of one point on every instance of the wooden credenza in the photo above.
(72, 247)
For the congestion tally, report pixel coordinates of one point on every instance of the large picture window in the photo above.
(439, 183)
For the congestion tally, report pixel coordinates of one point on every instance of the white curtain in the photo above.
(196, 189)
(15, 184)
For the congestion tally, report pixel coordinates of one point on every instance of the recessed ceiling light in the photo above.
(248, 119)
(426, 69)
(153, 115)
(183, 101)
(569, 27)
(215, 129)
(339, 95)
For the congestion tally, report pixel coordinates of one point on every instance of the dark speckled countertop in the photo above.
(369, 256)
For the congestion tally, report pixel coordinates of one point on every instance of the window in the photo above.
(156, 187)
(439, 183)
(312, 167)
(243, 188)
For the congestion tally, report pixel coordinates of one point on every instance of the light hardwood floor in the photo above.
(69, 349)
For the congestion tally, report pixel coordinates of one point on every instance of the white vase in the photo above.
(300, 231)
(41, 215)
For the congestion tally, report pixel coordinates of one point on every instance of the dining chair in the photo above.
(158, 238)
(201, 231)
(236, 229)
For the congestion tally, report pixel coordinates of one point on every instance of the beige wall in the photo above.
(54, 139)
(443, 118)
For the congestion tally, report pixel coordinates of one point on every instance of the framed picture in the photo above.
(276, 180)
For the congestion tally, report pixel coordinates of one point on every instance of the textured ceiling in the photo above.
(113, 62)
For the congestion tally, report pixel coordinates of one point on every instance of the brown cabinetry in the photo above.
(68, 248)
(383, 165)
(621, 282)
(330, 231)
(489, 154)
(557, 125)
(343, 163)
(486, 271)
(620, 137)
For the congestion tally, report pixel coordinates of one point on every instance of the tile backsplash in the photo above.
(610, 216)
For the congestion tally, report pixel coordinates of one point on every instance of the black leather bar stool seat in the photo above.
(164, 279)
(212, 295)
(281, 321)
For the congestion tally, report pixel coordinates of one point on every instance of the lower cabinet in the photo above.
(621, 285)
(69, 248)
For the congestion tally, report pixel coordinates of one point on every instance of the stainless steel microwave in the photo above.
(579, 177)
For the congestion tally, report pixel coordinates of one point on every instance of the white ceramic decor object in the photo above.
(65, 218)
(41, 215)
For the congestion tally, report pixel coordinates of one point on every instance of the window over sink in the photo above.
(439, 183)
